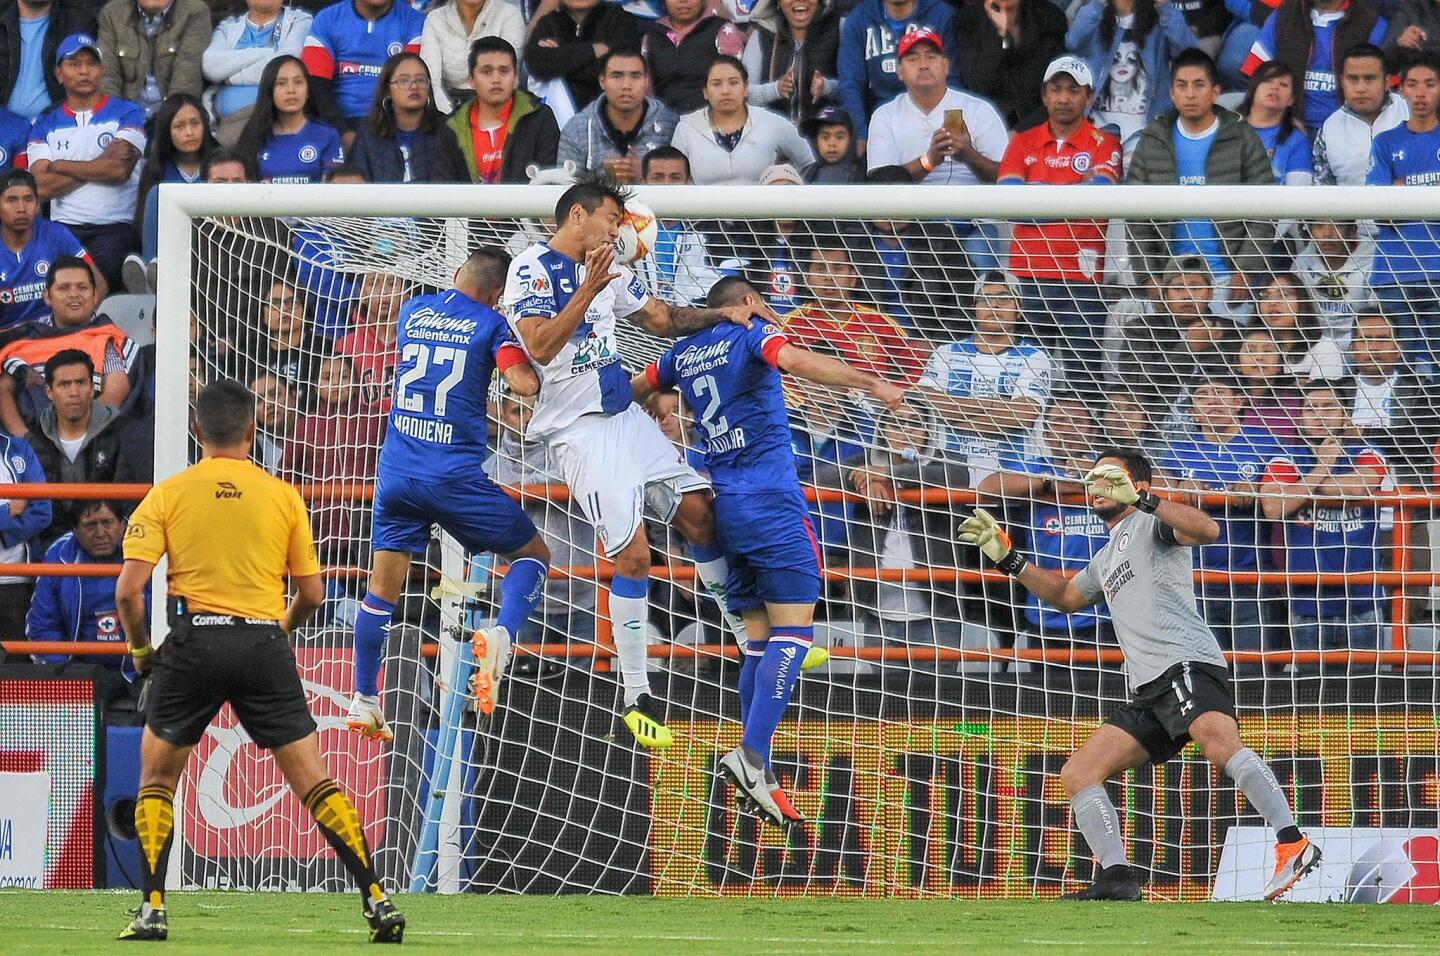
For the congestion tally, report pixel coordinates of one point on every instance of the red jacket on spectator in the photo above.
(867, 340)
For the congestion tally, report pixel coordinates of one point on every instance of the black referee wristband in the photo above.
(1147, 502)
(1012, 564)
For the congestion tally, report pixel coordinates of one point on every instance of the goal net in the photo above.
(1269, 350)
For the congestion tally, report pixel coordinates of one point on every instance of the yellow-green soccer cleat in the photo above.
(387, 924)
(148, 925)
(646, 725)
(814, 657)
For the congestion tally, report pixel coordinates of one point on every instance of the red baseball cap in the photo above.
(910, 40)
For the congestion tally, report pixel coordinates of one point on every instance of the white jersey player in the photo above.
(563, 298)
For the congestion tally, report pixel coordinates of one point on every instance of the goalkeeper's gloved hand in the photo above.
(1111, 481)
(986, 534)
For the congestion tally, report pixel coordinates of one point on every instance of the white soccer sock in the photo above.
(712, 574)
(627, 625)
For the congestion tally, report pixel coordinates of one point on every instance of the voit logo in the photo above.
(226, 489)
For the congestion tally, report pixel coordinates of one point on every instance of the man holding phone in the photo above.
(941, 135)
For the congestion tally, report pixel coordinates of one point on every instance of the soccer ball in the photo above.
(638, 232)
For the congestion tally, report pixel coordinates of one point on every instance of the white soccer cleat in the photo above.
(751, 787)
(491, 647)
(367, 719)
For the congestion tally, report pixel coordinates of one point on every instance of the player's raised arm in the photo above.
(825, 370)
(676, 321)
(545, 335)
(1053, 588)
(1190, 525)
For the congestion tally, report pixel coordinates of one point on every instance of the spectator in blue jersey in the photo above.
(990, 388)
(1328, 536)
(30, 33)
(567, 44)
(153, 49)
(179, 146)
(1059, 534)
(1310, 37)
(284, 137)
(85, 155)
(680, 47)
(1269, 108)
(29, 244)
(398, 141)
(1199, 143)
(1221, 454)
(14, 135)
(239, 49)
(1408, 253)
(81, 608)
(349, 41)
(21, 523)
(1129, 46)
(503, 131)
(868, 65)
(678, 268)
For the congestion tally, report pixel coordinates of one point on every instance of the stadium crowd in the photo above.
(1289, 366)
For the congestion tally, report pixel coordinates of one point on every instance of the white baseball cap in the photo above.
(1073, 65)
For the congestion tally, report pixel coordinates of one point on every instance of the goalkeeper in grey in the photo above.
(1178, 678)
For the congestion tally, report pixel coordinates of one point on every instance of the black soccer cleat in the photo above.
(387, 924)
(153, 926)
(1120, 883)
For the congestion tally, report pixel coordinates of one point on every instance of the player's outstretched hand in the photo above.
(891, 396)
(1110, 481)
(599, 269)
(985, 532)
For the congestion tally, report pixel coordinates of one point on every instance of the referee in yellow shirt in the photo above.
(232, 532)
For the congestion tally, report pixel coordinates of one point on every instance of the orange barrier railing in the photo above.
(1401, 577)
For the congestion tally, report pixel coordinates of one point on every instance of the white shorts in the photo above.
(619, 467)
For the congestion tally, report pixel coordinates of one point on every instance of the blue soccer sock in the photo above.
(774, 684)
(750, 654)
(371, 626)
(522, 589)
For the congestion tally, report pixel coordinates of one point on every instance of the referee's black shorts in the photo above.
(209, 659)
(1161, 712)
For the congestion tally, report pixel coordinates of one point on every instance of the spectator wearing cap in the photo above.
(450, 29)
(991, 387)
(869, 67)
(21, 523)
(791, 53)
(239, 49)
(347, 45)
(30, 33)
(622, 125)
(678, 268)
(85, 155)
(81, 608)
(153, 48)
(1368, 107)
(832, 133)
(1061, 263)
(1003, 48)
(1129, 46)
(730, 142)
(29, 245)
(566, 45)
(680, 47)
(1335, 267)
(502, 131)
(1309, 36)
(14, 134)
(1197, 144)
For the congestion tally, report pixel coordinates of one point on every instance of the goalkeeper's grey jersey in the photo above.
(1148, 583)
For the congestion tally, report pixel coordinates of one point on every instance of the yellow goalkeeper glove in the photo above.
(1111, 481)
(985, 533)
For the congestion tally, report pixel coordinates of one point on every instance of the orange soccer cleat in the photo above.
(1292, 861)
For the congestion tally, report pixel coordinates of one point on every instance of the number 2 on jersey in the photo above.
(714, 427)
(410, 387)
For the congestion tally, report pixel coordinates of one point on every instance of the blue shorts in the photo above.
(476, 512)
(768, 541)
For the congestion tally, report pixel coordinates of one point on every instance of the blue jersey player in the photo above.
(730, 376)
(449, 346)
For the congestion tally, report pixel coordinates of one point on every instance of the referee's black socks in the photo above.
(338, 819)
(154, 827)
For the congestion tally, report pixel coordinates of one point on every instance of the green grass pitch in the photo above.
(307, 924)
